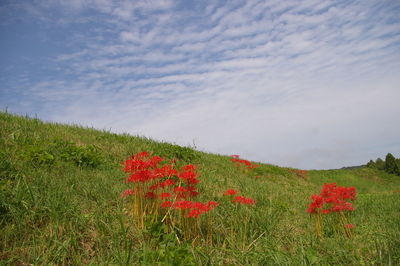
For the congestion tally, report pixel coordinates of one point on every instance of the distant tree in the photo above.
(391, 165)
(371, 164)
(380, 164)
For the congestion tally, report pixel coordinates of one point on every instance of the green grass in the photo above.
(60, 204)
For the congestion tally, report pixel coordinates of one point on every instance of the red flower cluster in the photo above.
(244, 200)
(235, 159)
(145, 169)
(300, 173)
(127, 192)
(195, 209)
(350, 226)
(333, 198)
(239, 199)
(230, 192)
(156, 179)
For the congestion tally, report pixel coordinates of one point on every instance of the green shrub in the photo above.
(38, 156)
(390, 165)
(185, 154)
(80, 155)
(380, 164)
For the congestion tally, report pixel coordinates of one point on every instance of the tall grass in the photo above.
(60, 204)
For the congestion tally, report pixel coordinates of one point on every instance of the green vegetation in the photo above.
(60, 203)
(391, 165)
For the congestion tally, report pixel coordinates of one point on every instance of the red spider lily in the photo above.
(193, 193)
(154, 186)
(198, 208)
(166, 204)
(155, 160)
(230, 192)
(194, 213)
(182, 204)
(127, 192)
(187, 175)
(141, 161)
(150, 195)
(165, 195)
(212, 204)
(166, 171)
(182, 192)
(244, 200)
(191, 188)
(180, 189)
(237, 161)
(141, 176)
(149, 176)
(166, 183)
(252, 166)
(342, 206)
(350, 226)
(192, 181)
(317, 203)
(142, 154)
(300, 173)
(333, 198)
(189, 167)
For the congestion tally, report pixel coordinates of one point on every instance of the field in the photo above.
(60, 196)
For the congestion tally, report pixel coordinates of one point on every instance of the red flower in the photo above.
(141, 176)
(335, 197)
(165, 195)
(189, 167)
(192, 181)
(127, 192)
(350, 226)
(180, 189)
(244, 200)
(142, 154)
(150, 195)
(230, 192)
(166, 171)
(182, 204)
(166, 204)
(155, 160)
(194, 213)
(188, 175)
(154, 187)
(191, 188)
(212, 204)
(194, 193)
(166, 183)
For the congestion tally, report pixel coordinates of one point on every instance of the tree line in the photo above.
(390, 165)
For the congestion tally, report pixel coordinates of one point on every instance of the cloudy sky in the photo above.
(310, 84)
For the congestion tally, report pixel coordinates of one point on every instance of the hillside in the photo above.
(60, 196)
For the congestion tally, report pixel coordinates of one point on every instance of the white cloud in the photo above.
(299, 83)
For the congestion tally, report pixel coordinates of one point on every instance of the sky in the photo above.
(310, 84)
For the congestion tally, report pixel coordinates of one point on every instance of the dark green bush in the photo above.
(87, 155)
(38, 155)
(390, 165)
(177, 152)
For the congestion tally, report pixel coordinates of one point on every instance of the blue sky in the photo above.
(308, 84)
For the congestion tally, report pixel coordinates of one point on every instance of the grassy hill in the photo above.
(60, 203)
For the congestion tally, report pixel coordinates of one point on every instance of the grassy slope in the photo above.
(55, 212)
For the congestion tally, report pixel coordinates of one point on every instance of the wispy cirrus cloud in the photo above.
(307, 84)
